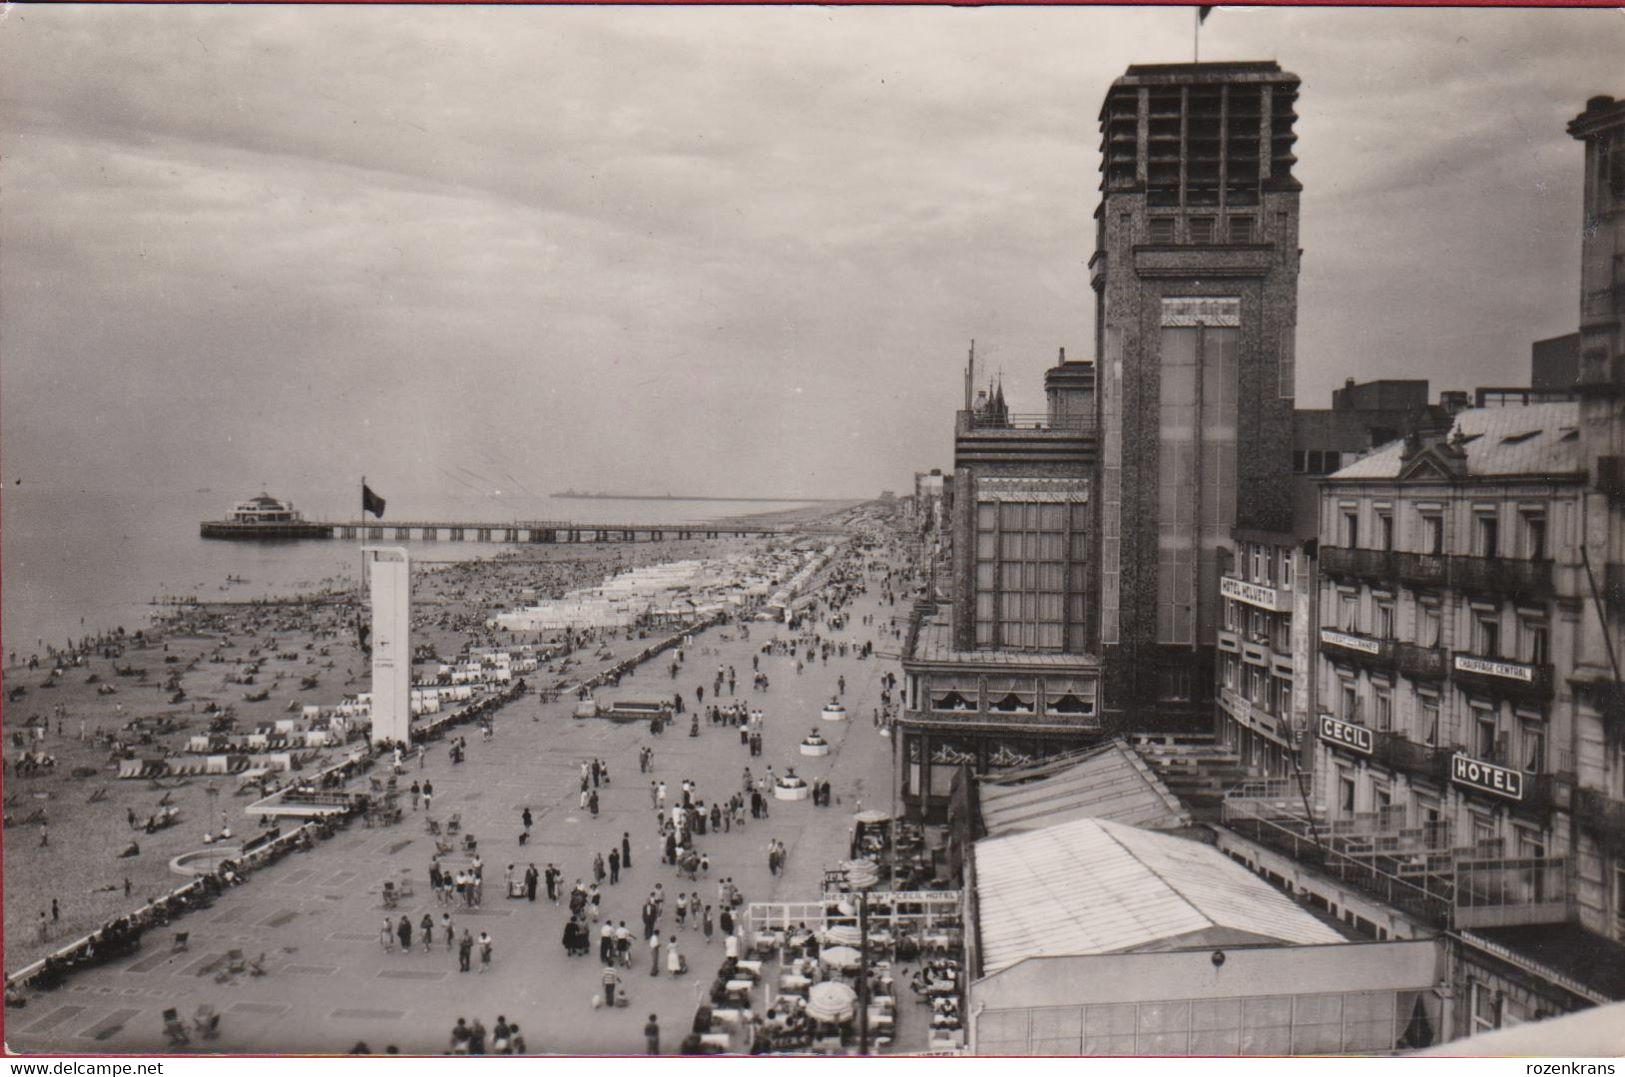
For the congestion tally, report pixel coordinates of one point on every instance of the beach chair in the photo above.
(206, 1022)
(178, 1036)
(471, 844)
(390, 897)
(454, 825)
(433, 825)
(180, 944)
(236, 962)
(443, 848)
(404, 888)
(256, 967)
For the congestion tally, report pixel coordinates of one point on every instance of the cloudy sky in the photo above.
(708, 251)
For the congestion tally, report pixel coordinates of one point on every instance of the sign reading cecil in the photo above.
(1470, 772)
(1346, 734)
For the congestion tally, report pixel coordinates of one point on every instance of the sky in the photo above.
(706, 251)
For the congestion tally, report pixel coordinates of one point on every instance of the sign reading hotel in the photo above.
(1190, 311)
(1352, 643)
(1346, 734)
(1486, 776)
(1484, 667)
(1250, 593)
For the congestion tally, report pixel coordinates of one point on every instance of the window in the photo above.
(1533, 735)
(1162, 229)
(1382, 706)
(1283, 696)
(1241, 229)
(1486, 1005)
(1428, 720)
(1385, 620)
(1385, 531)
(1432, 534)
(1351, 703)
(1429, 625)
(1299, 461)
(1229, 667)
(1314, 461)
(1030, 574)
(1202, 229)
(1351, 530)
(1487, 635)
(1348, 609)
(1535, 647)
(1534, 535)
(1288, 567)
(1345, 791)
(1489, 536)
(1174, 684)
(1483, 733)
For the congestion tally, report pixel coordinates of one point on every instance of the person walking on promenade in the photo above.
(654, 795)
(552, 878)
(654, 954)
(485, 952)
(417, 794)
(532, 877)
(660, 796)
(386, 937)
(623, 946)
(592, 803)
(465, 951)
(606, 944)
(614, 866)
(706, 923)
(404, 931)
(651, 1036)
(526, 818)
(610, 980)
(626, 850)
(675, 964)
(447, 931)
(598, 872)
(428, 795)
(426, 925)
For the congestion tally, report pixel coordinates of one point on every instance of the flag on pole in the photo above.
(1202, 12)
(371, 502)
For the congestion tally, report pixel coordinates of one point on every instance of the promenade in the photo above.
(317, 916)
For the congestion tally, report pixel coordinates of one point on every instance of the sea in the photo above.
(74, 563)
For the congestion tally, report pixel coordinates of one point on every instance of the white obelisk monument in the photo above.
(389, 574)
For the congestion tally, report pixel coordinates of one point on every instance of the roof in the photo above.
(935, 644)
(1090, 886)
(1592, 960)
(1535, 439)
(1111, 782)
(1589, 1033)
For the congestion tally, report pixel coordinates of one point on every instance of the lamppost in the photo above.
(861, 876)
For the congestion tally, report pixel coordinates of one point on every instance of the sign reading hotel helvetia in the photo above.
(1346, 734)
(1486, 776)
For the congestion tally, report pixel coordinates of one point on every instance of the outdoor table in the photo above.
(739, 987)
(731, 1018)
(720, 1040)
(753, 969)
(791, 983)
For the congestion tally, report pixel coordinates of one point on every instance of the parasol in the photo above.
(843, 935)
(873, 815)
(831, 1002)
(841, 957)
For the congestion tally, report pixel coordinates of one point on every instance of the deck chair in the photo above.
(235, 962)
(206, 1022)
(256, 967)
(443, 848)
(180, 944)
(455, 823)
(173, 1028)
(471, 844)
(391, 898)
(433, 825)
(405, 889)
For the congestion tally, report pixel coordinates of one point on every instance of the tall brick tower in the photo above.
(1195, 276)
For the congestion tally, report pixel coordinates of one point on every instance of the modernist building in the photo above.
(1195, 278)
(389, 578)
(1006, 672)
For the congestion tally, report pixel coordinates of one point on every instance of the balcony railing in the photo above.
(1603, 814)
(1502, 576)
(1511, 892)
(1038, 421)
(1422, 569)
(1401, 753)
(1445, 887)
(1414, 660)
(1364, 564)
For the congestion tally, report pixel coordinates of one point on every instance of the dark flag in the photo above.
(1203, 12)
(371, 502)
